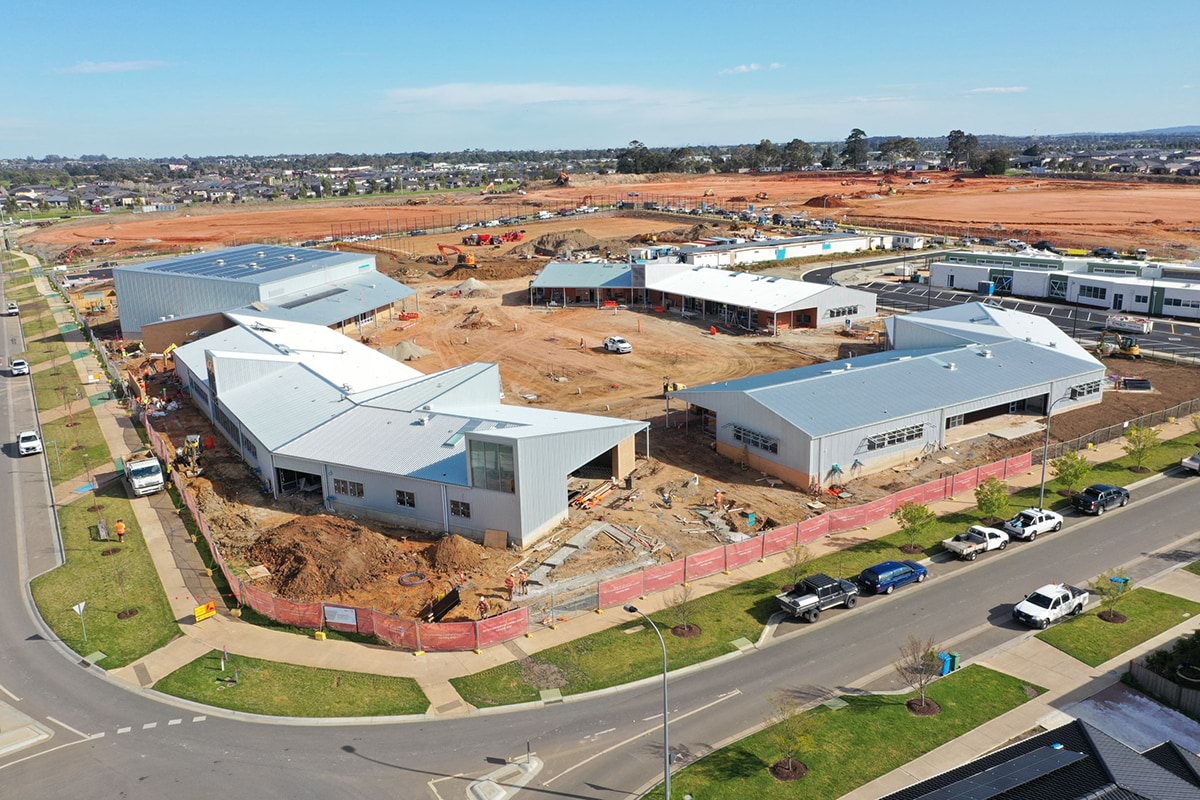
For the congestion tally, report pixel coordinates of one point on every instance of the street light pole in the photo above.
(666, 740)
(1046, 446)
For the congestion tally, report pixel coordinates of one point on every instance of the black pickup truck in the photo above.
(816, 593)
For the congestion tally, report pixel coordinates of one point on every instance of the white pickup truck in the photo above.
(1192, 462)
(975, 540)
(144, 476)
(1049, 604)
(1033, 521)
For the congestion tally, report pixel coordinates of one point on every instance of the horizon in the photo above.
(386, 79)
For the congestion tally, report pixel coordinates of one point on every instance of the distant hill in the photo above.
(1179, 130)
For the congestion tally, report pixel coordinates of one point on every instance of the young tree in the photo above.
(1110, 588)
(991, 497)
(919, 666)
(798, 557)
(1196, 422)
(1140, 442)
(1071, 470)
(351, 187)
(789, 732)
(326, 187)
(914, 519)
(681, 605)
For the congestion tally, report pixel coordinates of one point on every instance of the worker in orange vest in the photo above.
(509, 583)
(483, 607)
(120, 529)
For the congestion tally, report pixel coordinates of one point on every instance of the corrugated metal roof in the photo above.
(271, 263)
(752, 290)
(570, 275)
(285, 404)
(768, 243)
(983, 322)
(333, 302)
(827, 398)
(412, 395)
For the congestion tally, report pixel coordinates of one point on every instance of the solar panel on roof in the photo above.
(1009, 775)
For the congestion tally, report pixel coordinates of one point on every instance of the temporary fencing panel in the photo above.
(495, 630)
(260, 601)
(300, 614)
(441, 636)
(846, 518)
(878, 509)
(701, 565)
(995, 470)
(962, 482)
(742, 553)
(618, 590)
(1018, 464)
(664, 576)
(398, 632)
(778, 540)
(812, 529)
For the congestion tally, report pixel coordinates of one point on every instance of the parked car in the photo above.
(417, 232)
(987, 240)
(1049, 604)
(883, 578)
(617, 344)
(1031, 522)
(975, 540)
(1100, 497)
(816, 593)
(28, 443)
(1045, 246)
(1105, 252)
(1015, 244)
(1192, 462)
(12, 310)
(18, 366)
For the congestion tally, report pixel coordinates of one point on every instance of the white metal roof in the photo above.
(751, 290)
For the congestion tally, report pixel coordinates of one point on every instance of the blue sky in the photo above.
(264, 77)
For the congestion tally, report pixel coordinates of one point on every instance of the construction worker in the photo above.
(509, 583)
(523, 577)
(718, 498)
(483, 607)
(120, 529)
(462, 579)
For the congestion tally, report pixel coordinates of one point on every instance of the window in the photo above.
(899, 436)
(1058, 287)
(492, 467)
(460, 509)
(249, 447)
(844, 311)
(406, 499)
(199, 393)
(348, 488)
(954, 421)
(1179, 302)
(754, 439)
(1094, 292)
(1082, 389)
(226, 422)
(1141, 298)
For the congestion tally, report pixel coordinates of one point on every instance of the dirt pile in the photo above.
(559, 243)
(826, 201)
(473, 287)
(407, 350)
(475, 320)
(454, 553)
(313, 558)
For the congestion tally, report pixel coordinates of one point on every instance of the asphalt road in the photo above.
(113, 742)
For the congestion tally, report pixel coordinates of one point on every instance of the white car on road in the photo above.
(1033, 521)
(28, 443)
(617, 344)
(12, 310)
(18, 366)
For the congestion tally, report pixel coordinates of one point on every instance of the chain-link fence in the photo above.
(1111, 432)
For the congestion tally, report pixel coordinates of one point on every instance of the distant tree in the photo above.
(797, 154)
(1110, 592)
(914, 519)
(856, 150)
(372, 186)
(74, 203)
(1140, 442)
(995, 162)
(10, 205)
(766, 154)
(798, 557)
(961, 147)
(789, 730)
(351, 187)
(326, 187)
(1033, 150)
(918, 667)
(828, 157)
(1071, 470)
(991, 497)
(43, 205)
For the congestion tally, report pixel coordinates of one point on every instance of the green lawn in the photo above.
(109, 584)
(1193, 567)
(72, 444)
(1094, 641)
(48, 383)
(870, 737)
(612, 657)
(271, 687)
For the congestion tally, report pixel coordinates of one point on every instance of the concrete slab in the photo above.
(19, 731)
(1135, 720)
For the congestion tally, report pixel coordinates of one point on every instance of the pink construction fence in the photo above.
(447, 636)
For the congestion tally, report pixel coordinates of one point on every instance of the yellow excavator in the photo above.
(1112, 344)
(464, 258)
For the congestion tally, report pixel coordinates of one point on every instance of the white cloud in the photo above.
(741, 68)
(999, 90)
(775, 65)
(97, 67)
(458, 96)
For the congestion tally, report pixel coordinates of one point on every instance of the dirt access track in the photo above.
(1162, 218)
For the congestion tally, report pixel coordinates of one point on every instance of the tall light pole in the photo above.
(666, 740)
(1074, 393)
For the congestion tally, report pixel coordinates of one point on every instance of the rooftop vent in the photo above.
(260, 253)
(291, 256)
(951, 366)
(985, 353)
(253, 265)
(220, 262)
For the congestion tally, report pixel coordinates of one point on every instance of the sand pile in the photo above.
(472, 287)
(311, 558)
(826, 201)
(454, 553)
(406, 350)
(558, 243)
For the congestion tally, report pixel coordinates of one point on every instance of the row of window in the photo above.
(1179, 302)
(891, 438)
(458, 508)
(844, 311)
(1094, 292)
(199, 393)
(1083, 389)
(249, 447)
(755, 439)
(226, 422)
(348, 488)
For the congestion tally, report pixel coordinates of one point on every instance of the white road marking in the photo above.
(75, 731)
(43, 753)
(433, 788)
(149, 725)
(637, 736)
(647, 719)
(200, 718)
(175, 722)
(124, 730)
(99, 735)
(10, 694)
(601, 733)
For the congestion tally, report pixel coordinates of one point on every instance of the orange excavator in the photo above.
(564, 179)
(464, 259)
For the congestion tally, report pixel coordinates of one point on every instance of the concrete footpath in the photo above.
(1066, 680)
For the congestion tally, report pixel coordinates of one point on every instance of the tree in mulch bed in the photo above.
(914, 519)
(1071, 470)
(919, 666)
(1140, 442)
(798, 557)
(1111, 587)
(789, 732)
(681, 605)
(1196, 425)
(991, 497)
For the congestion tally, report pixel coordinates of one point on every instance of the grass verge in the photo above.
(108, 584)
(50, 383)
(870, 737)
(46, 348)
(1094, 641)
(613, 656)
(75, 448)
(1193, 567)
(287, 690)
